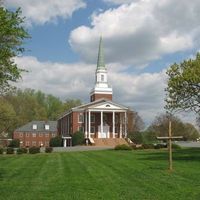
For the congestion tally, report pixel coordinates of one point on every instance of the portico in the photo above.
(105, 121)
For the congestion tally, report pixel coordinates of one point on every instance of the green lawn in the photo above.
(101, 175)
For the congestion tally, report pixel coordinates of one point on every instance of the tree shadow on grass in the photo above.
(189, 154)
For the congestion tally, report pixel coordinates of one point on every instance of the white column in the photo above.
(113, 122)
(125, 125)
(120, 128)
(89, 125)
(101, 129)
(85, 124)
(65, 142)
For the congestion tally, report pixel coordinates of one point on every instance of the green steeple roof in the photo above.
(100, 61)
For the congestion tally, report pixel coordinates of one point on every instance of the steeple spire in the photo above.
(100, 61)
(101, 89)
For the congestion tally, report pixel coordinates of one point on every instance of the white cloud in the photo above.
(144, 93)
(41, 12)
(140, 32)
(119, 1)
(62, 80)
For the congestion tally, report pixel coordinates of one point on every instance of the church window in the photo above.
(80, 118)
(102, 77)
(92, 118)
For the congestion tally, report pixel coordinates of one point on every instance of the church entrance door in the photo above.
(105, 133)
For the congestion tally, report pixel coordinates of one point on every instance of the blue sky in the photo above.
(141, 39)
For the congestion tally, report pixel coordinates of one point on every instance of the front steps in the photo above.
(109, 141)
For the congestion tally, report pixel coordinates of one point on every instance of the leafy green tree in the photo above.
(54, 107)
(12, 35)
(160, 127)
(7, 117)
(183, 90)
(70, 103)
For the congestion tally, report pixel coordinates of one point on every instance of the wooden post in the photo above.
(170, 145)
(169, 138)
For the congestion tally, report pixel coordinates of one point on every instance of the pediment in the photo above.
(108, 105)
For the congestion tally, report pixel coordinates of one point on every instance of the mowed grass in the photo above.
(106, 175)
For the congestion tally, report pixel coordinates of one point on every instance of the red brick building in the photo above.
(36, 133)
(101, 118)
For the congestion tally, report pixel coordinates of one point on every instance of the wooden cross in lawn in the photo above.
(169, 138)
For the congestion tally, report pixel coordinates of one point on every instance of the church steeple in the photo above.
(100, 60)
(101, 90)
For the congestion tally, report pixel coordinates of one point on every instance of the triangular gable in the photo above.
(108, 105)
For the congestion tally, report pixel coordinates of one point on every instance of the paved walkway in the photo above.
(188, 144)
(79, 148)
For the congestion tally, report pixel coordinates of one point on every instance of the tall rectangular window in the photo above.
(80, 118)
(92, 118)
(102, 77)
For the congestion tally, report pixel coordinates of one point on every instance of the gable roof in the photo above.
(40, 126)
(98, 104)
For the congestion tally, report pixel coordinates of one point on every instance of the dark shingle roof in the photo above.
(40, 126)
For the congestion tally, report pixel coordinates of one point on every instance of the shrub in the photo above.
(55, 142)
(10, 150)
(14, 143)
(148, 146)
(123, 147)
(33, 150)
(48, 149)
(175, 146)
(78, 138)
(1, 150)
(21, 150)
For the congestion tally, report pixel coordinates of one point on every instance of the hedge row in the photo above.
(145, 146)
(31, 150)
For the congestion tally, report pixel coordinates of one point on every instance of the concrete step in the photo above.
(109, 141)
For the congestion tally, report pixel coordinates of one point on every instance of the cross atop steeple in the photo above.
(100, 61)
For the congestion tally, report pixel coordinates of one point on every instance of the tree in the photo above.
(183, 90)
(161, 123)
(135, 122)
(7, 117)
(12, 35)
(70, 103)
(14, 143)
(135, 125)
